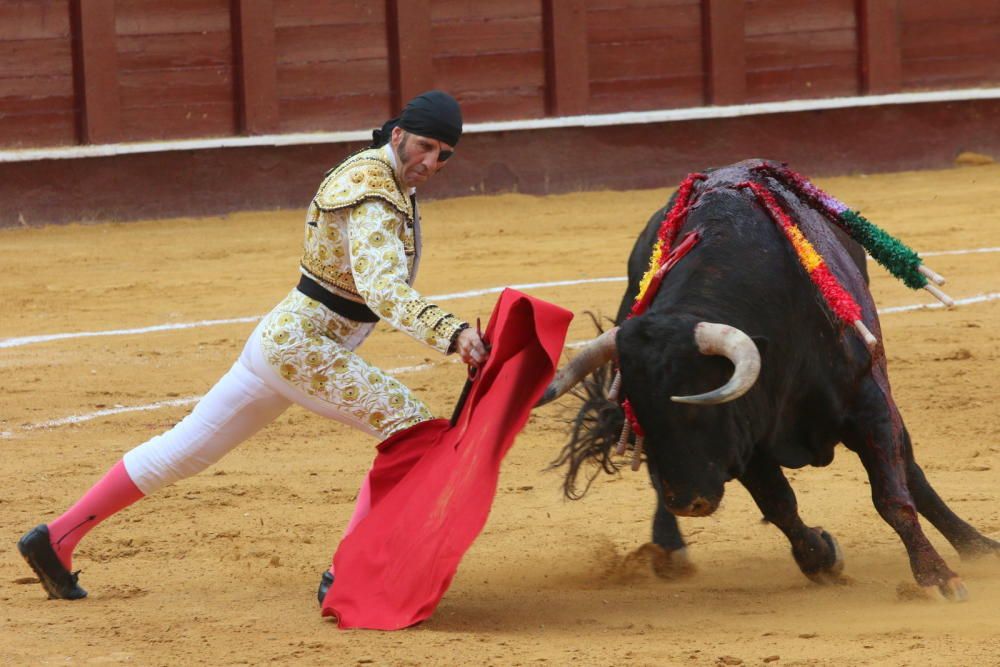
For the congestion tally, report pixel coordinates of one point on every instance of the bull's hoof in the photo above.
(665, 563)
(672, 564)
(952, 590)
(832, 568)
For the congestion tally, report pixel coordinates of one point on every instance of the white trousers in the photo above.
(247, 398)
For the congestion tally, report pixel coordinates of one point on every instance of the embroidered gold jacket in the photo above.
(362, 242)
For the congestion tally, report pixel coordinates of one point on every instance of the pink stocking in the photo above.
(361, 508)
(114, 492)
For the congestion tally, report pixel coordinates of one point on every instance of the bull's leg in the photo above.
(671, 558)
(814, 549)
(876, 433)
(968, 541)
(666, 532)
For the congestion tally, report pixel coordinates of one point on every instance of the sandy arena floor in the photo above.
(222, 569)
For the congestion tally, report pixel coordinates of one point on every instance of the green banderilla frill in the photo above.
(897, 258)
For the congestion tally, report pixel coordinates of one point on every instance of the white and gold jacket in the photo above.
(362, 242)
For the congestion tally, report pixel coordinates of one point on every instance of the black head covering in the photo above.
(433, 114)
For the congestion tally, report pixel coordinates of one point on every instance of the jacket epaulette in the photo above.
(364, 175)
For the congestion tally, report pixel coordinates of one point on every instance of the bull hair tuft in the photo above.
(595, 429)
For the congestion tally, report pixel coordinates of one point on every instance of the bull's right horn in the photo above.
(594, 355)
(739, 348)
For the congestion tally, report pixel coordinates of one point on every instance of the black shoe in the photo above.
(37, 550)
(324, 585)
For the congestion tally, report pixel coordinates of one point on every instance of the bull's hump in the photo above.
(732, 175)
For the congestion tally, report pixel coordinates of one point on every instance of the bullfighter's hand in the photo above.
(470, 347)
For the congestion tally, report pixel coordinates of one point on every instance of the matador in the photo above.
(361, 253)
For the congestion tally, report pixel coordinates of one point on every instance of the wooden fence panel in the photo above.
(950, 44)
(175, 76)
(879, 52)
(348, 64)
(38, 105)
(332, 64)
(645, 54)
(801, 49)
(567, 70)
(490, 55)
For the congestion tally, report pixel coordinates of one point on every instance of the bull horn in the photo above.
(729, 342)
(595, 354)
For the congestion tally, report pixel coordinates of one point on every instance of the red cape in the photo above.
(433, 484)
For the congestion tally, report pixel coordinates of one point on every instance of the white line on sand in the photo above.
(120, 409)
(45, 338)
(402, 370)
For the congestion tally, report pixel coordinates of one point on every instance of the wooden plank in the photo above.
(960, 50)
(799, 49)
(96, 70)
(410, 56)
(802, 83)
(255, 66)
(461, 11)
(330, 114)
(950, 73)
(951, 38)
(34, 19)
(618, 5)
(497, 71)
(309, 13)
(179, 121)
(567, 71)
(769, 17)
(652, 24)
(207, 85)
(354, 77)
(725, 51)
(168, 17)
(968, 10)
(660, 92)
(648, 93)
(880, 58)
(505, 35)
(37, 94)
(51, 128)
(490, 105)
(609, 62)
(331, 43)
(161, 52)
(34, 57)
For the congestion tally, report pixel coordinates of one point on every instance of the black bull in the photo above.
(818, 385)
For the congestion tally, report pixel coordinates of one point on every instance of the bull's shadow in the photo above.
(740, 364)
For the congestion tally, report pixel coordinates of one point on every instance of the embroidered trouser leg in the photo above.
(290, 358)
(308, 354)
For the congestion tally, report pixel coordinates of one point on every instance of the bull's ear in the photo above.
(761, 342)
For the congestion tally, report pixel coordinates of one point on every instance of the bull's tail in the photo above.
(595, 430)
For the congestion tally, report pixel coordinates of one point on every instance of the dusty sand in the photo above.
(222, 569)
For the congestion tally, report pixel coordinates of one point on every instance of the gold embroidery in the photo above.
(362, 246)
(441, 324)
(365, 175)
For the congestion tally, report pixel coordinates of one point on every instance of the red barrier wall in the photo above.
(93, 72)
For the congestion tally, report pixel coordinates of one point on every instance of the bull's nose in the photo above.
(698, 507)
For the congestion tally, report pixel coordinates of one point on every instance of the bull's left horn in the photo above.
(594, 355)
(729, 342)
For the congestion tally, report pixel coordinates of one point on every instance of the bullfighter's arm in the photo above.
(378, 261)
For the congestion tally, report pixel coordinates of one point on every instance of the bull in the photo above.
(737, 370)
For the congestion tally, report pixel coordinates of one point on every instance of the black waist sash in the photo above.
(352, 310)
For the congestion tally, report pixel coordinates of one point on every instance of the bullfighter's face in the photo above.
(419, 158)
